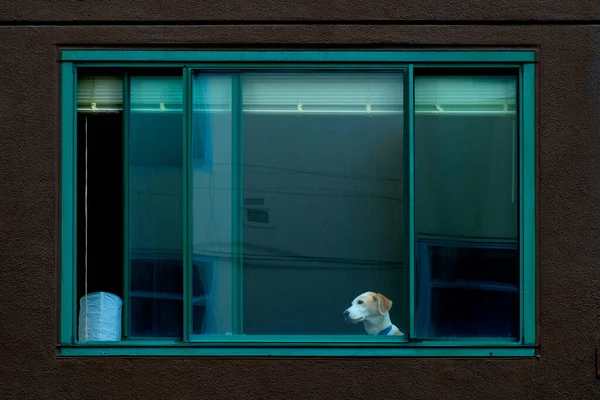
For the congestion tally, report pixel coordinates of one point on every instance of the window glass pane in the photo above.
(323, 210)
(466, 206)
(155, 206)
(212, 193)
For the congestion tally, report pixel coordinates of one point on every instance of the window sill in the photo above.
(431, 349)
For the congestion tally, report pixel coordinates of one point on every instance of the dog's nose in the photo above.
(346, 313)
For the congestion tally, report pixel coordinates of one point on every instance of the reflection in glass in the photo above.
(466, 207)
(212, 261)
(323, 207)
(155, 206)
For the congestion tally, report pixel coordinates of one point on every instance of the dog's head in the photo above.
(368, 304)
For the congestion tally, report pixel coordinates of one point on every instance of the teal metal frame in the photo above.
(126, 259)
(68, 309)
(409, 165)
(190, 351)
(342, 346)
(527, 156)
(406, 57)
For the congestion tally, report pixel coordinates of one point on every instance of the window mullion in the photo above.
(409, 163)
(126, 261)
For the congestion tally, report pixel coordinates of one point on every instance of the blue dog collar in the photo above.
(386, 330)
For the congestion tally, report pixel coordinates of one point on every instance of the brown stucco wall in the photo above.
(304, 10)
(568, 194)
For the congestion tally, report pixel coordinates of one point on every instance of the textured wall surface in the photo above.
(568, 141)
(302, 10)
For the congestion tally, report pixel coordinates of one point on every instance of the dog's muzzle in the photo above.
(347, 316)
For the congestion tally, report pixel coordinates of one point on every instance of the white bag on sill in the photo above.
(100, 317)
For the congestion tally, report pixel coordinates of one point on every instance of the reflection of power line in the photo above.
(330, 174)
(288, 193)
(292, 170)
(320, 266)
(340, 194)
(200, 254)
(325, 260)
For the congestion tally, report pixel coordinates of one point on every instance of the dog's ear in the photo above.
(383, 303)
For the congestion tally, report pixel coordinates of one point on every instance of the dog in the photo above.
(372, 309)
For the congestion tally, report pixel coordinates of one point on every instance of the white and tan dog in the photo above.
(372, 309)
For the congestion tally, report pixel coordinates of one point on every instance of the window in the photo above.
(466, 206)
(225, 203)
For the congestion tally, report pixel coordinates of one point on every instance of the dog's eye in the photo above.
(359, 302)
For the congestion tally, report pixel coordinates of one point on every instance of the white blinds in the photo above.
(164, 93)
(306, 93)
(323, 93)
(459, 94)
(105, 93)
(100, 93)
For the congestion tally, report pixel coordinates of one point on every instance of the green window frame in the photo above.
(522, 62)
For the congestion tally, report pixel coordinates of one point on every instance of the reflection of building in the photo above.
(323, 196)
